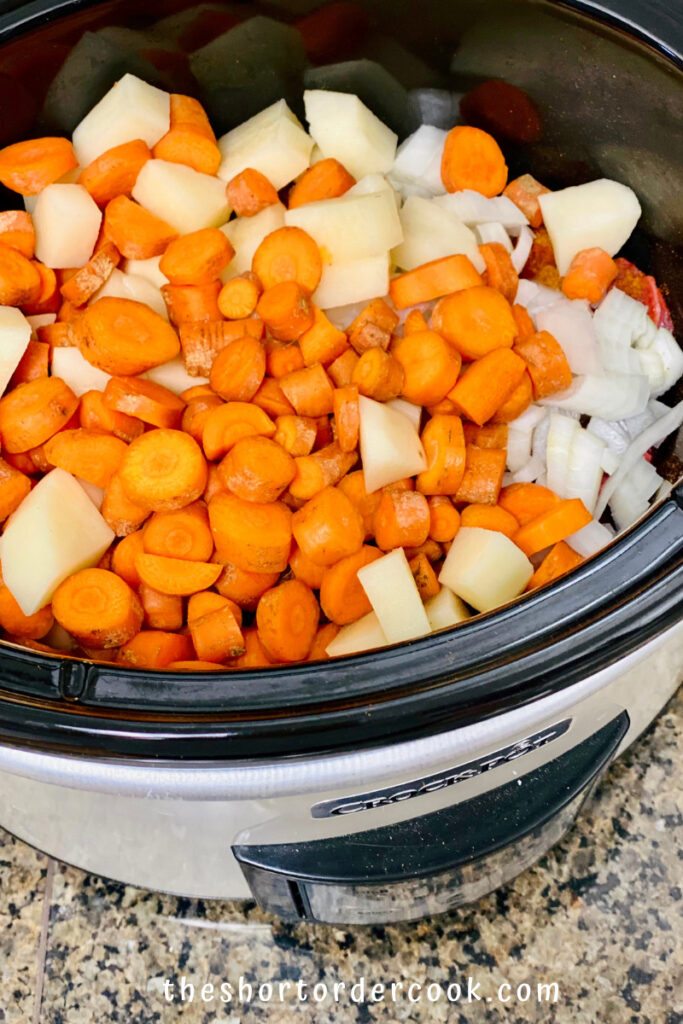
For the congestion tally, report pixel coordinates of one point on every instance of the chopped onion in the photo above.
(620, 318)
(591, 538)
(558, 446)
(520, 253)
(475, 209)
(609, 461)
(616, 397)
(418, 160)
(491, 232)
(518, 449)
(571, 324)
(613, 434)
(534, 296)
(631, 499)
(671, 357)
(584, 469)
(530, 472)
(651, 366)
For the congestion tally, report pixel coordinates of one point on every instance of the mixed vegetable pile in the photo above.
(294, 393)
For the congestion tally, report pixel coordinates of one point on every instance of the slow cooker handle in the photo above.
(443, 856)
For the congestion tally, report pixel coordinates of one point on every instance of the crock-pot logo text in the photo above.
(439, 780)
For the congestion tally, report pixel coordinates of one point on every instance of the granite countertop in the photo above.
(600, 915)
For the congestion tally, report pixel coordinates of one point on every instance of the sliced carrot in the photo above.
(33, 412)
(17, 231)
(323, 468)
(525, 325)
(328, 527)
(257, 469)
(430, 367)
(378, 375)
(231, 421)
(249, 192)
(541, 266)
(114, 172)
(288, 254)
(328, 179)
(192, 303)
(183, 533)
(401, 520)
(271, 398)
(239, 369)
(176, 575)
(321, 641)
(253, 536)
(85, 453)
(444, 444)
(34, 364)
(286, 310)
(216, 635)
(557, 523)
(55, 335)
(98, 608)
(47, 298)
(163, 470)
(201, 342)
(559, 560)
(144, 399)
(524, 193)
(473, 159)
(500, 270)
(27, 167)
(322, 342)
(519, 400)
(414, 323)
(20, 280)
(155, 648)
(119, 512)
(282, 358)
(244, 587)
(196, 414)
(306, 570)
(487, 384)
(493, 435)
(214, 485)
(287, 620)
(162, 611)
(86, 281)
(194, 666)
(489, 517)
(476, 321)
(94, 415)
(136, 233)
(546, 363)
(590, 274)
(123, 558)
(353, 486)
(342, 597)
(14, 486)
(198, 258)
(341, 370)
(425, 578)
(483, 475)
(373, 326)
(255, 654)
(432, 280)
(123, 337)
(205, 601)
(296, 434)
(197, 391)
(346, 417)
(309, 390)
(527, 501)
(190, 139)
(444, 518)
(239, 297)
(21, 461)
(24, 627)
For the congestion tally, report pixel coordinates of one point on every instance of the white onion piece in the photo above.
(631, 499)
(591, 538)
(671, 357)
(558, 448)
(617, 356)
(571, 324)
(418, 159)
(654, 434)
(584, 469)
(535, 297)
(609, 461)
(521, 251)
(474, 209)
(651, 366)
(613, 434)
(620, 318)
(518, 449)
(530, 418)
(616, 397)
(530, 472)
(493, 232)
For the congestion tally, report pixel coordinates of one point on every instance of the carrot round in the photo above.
(515, 404)
(558, 523)
(13, 620)
(444, 444)
(527, 501)
(192, 303)
(98, 608)
(546, 363)
(296, 434)
(136, 233)
(163, 470)
(489, 517)
(183, 533)
(328, 179)
(124, 337)
(190, 139)
(244, 587)
(20, 280)
(321, 641)
(309, 390)
(347, 417)
(328, 527)
(118, 511)
(288, 254)
(476, 321)
(27, 167)
(425, 578)
(484, 469)
(197, 258)
(123, 558)
(430, 367)
(179, 576)
(378, 375)
(95, 415)
(249, 192)
(432, 280)
(239, 297)
(342, 598)
(255, 655)
(487, 384)
(322, 342)
(145, 400)
(322, 468)
(493, 435)
(196, 413)
(500, 270)
(353, 486)
(205, 601)
(590, 274)
(155, 648)
(216, 636)
(286, 310)
(444, 518)
(114, 172)
(402, 520)
(88, 279)
(256, 537)
(524, 193)
(17, 231)
(34, 364)
(33, 412)
(525, 325)
(162, 611)
(230, 422)
(257, 469)
(473, 159)
(14, 486)
(190, 665)
(559, 560)
(306, 570)
(239, 369)
(272, 400)
(287, 619)
(85, 453)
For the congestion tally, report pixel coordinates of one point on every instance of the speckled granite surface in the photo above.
(601, 916)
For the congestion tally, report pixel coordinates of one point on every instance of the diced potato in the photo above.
(344, 283)
(413, 412)
(351, 227)
(374, 183)
(95, 493)
(133, 286)
(148, 269)
(15, 334)
(272, 142)
(247, 233)
(363, 635)
(174, 376)
(389, 444)
(430, 232)
(41, 320)
(445, 609)
(67, 222)
(394, 597)
(347, 130)
(485, 568)
(55, 532)
(77, 372)
(601, 214)
(132, 109)
(183, 197)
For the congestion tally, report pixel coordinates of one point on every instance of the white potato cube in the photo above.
(347, 130)
(186, 199)
(430, 232)
(174, 376)
(95, 493)
(601, 214)
(15, 334)
(344, 283)
(55, 532)
(485, 568)
(445, 609)
(149, 269)
(77, 372)
(67, 222)
(390, 445)
(41, 320)
(132, 109)
(351, 227)
(246, 234)
(395, 599)
(409, 409)
(374, 183)
(272, 142)
(132, 286)
(362, 635)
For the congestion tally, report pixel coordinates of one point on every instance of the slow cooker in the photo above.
(409, 780)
